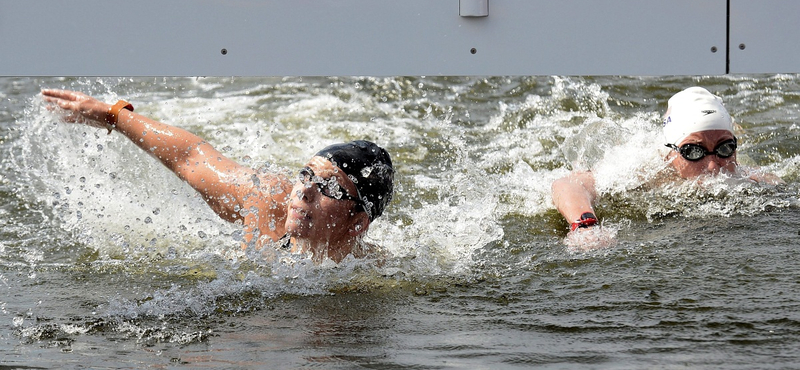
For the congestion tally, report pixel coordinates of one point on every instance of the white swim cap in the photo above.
(694, 110)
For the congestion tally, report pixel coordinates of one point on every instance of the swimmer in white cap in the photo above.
(700, 132)
(325, 211)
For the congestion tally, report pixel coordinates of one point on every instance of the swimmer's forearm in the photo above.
(171, 145)
(572, 204)
(205, 169)
(218, 179)
(574, 195)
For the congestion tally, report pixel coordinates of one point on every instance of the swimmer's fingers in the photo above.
(767, 178)
(81, 108)
(592, 238)
(66, 114)
(64, 94)
(65, 99)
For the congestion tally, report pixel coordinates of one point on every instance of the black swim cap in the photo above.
(370, 169)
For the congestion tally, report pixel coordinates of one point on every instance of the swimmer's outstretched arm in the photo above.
(225, 185)
(574, 195)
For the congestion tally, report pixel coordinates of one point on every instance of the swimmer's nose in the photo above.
(714, 164)
(306, 191)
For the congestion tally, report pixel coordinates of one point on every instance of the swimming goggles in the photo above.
(328, 187)
(696, 152)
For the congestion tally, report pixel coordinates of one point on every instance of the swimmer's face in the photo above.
(708, 165)
(321, 218)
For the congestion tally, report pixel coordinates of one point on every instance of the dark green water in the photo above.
(108, 261)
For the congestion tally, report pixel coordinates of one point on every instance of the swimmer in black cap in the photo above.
(325, 211)
(340, 191)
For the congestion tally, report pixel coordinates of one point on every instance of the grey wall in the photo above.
(396, 37)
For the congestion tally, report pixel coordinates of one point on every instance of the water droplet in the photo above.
(366, 171)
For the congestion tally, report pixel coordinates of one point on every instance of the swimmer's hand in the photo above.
(79, 107)
(591, 238)
(766, 178)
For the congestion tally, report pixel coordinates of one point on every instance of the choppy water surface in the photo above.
(107, 260)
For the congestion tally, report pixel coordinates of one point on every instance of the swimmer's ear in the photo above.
(359, 225)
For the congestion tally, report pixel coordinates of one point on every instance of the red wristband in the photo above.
(113, 113)
(587, 219)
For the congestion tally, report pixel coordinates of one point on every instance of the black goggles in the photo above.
(328, 187)
(696, 152)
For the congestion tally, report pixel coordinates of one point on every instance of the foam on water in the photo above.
(458, 178)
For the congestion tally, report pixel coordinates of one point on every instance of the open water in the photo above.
(108, 261)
